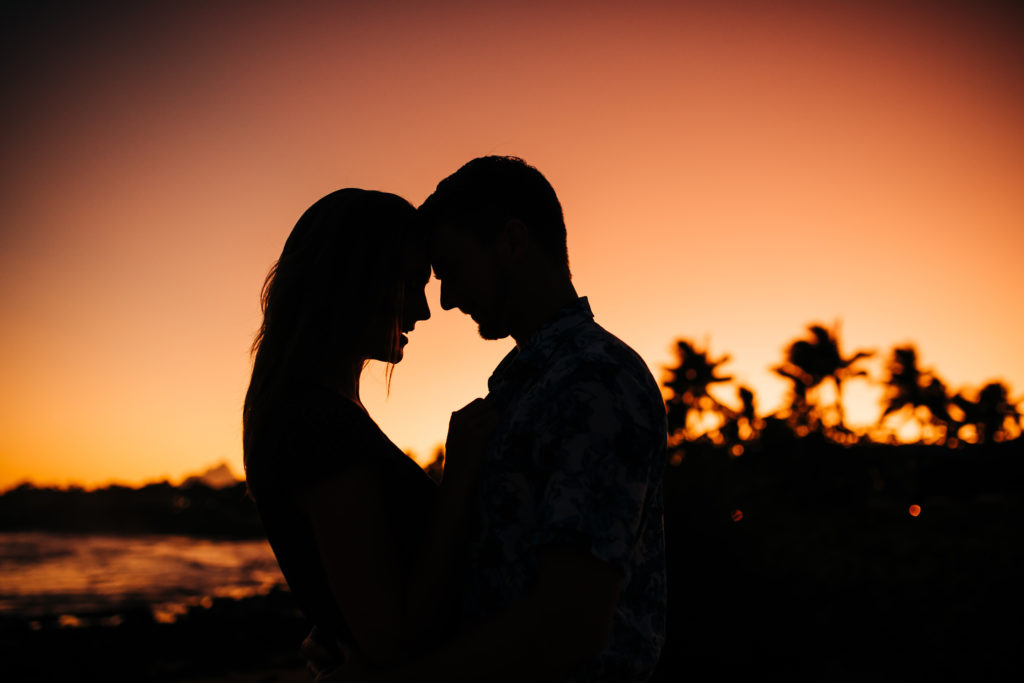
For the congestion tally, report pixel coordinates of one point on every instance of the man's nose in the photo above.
(423, 310)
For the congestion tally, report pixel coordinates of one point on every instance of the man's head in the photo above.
(497, 227)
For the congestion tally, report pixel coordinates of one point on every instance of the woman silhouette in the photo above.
(367, 542)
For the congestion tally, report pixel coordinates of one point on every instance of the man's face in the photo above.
(471, 279)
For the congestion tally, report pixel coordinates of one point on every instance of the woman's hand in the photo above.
(321, 654)
(350, 672)
(332, 661)
(468, 431)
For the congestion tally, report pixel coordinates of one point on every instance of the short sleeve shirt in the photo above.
(577, 459)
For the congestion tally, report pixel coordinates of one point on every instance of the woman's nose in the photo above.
(446, 297)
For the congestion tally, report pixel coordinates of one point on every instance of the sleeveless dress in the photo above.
(310, 434)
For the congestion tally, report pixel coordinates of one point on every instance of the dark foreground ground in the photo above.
(804, 560)
(253, 639)
(799, 561)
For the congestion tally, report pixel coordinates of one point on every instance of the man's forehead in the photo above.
(446, 239)
(444, 231)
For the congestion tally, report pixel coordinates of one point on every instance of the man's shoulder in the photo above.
(593, 348)
(596, 369)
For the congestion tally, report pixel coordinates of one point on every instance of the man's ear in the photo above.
(515, 239)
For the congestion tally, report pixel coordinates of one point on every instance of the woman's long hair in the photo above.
(338, 275)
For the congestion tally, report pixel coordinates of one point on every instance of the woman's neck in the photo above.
(345, 379)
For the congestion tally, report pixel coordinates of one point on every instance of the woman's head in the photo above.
(348, 283)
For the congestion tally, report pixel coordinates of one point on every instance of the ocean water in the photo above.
(90, 580)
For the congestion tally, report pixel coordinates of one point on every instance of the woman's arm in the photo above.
(360, 559)
(389, 608)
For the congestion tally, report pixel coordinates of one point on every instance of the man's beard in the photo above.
(492, 332)
(495, 326)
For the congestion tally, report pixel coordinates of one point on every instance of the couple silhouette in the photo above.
(540, 555)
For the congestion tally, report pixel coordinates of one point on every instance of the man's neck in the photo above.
(540, 307)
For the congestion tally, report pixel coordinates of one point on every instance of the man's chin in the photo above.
(491, 332)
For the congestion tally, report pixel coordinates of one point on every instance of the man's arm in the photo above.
(588, 518)
(348, 513)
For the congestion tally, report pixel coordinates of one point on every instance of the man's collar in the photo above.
(538, 349)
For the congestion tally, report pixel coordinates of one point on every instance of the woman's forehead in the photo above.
(416, 261)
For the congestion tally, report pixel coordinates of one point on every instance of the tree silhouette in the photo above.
(688, 384)
(742, 425)
(817, 360)
(911, 389)
(992, 415)
(808, 364)
(435, 468)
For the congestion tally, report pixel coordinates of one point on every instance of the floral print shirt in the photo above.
(576, 459)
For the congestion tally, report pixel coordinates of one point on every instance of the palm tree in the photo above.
(994, 416)
(742, 425)
(809, 363)
(748, 412)
(910, 386)
(688, 384)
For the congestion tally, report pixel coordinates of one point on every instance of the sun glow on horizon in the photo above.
(728, 176)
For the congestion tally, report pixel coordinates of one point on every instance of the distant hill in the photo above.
(217, 477)
(215, 504)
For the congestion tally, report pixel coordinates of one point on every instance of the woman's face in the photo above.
(413, 273)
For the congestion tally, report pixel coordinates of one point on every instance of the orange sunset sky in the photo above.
(729, 171)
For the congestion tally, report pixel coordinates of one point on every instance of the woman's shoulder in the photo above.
(308, 431)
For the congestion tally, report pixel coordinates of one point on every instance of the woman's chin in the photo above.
(393, 355)
(393, 358)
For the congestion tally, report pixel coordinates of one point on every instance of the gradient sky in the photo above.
(730, 172)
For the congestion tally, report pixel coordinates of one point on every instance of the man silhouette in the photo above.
(566, 575)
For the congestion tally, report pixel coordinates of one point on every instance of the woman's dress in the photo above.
(309, 434)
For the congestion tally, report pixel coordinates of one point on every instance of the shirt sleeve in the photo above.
(598, 449)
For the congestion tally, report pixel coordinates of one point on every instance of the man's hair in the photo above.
(489, 191)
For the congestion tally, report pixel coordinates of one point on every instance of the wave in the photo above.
(96, 577)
